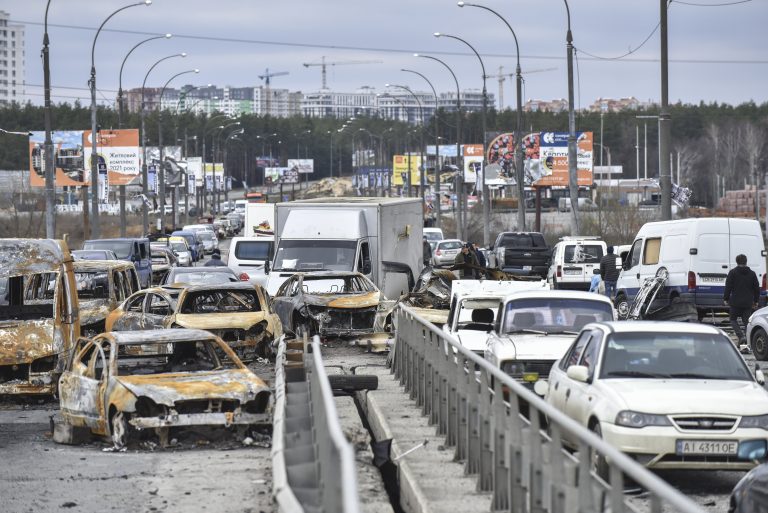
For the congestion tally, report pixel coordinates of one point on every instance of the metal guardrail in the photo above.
(526, 468)
(313, 464)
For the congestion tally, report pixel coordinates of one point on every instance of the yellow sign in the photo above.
(400, 169)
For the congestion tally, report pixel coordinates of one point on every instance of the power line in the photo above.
(630, 52)
(384, 49)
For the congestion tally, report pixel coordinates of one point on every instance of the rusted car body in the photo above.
(163, 260)
(121, 382)
(101, 286)
(329, 303)
(236, 312)
(39, 320)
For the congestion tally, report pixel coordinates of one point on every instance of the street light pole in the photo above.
(49, 161)
(460, 231)
(486, 190)
(573, 178)
(215, 194)
(95, 229)
(665, 121)
(519, 171)
(423, 172)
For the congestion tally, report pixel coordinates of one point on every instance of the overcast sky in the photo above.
(716, 53)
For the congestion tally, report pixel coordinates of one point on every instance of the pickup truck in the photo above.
(524, 253)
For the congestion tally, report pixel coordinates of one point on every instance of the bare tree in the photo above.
(754, 146)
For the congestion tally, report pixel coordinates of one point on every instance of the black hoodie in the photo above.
(741, 287)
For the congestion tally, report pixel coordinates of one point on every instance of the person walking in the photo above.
(479, 255)
(742, 293)
(426, 249)
(594, 284)
(215, 260)
(609, 272)
(466, 257)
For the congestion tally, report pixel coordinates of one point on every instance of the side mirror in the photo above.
(578, 373)
(626, 265)
(266, 267)
(759, 376)
(490, 248)
(367, 267)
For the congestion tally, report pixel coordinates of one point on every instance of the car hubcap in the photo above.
(623, 308)
(760, 344)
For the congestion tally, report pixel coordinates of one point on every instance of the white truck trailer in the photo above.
(348, 234)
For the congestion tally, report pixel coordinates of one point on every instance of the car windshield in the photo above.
(333, 285)
(453, 244)
(661, 355)
(221, 301)
(206, 235)
(554, 315)
(315, 255)
(200, 277)
(581, 253)
(252, 250)
(170, 357)
(92, 285)
(179, 247)
(433, 235)
(122, 249)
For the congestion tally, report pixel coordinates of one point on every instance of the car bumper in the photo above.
(656, 447)
(522, 271)
(200, 419)
(573, 285)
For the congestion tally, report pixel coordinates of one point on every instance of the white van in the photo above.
(251, 256)
(573, 262)
(697, 254)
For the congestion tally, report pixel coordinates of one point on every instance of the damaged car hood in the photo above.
(93, 311)
(24, 341)
(364, 300)
(220, 321)
(166, 389)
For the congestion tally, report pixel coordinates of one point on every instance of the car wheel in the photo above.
(119, 429)
(760, 344)
(622, 306)
(599, 463)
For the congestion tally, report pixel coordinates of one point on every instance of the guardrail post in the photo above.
(536, 471)
(462, 385)
(501, 485)
(473, 427)
(485, 428)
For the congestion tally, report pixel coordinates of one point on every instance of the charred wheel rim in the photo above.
(622, 306)
(760, 344)
(119, 430)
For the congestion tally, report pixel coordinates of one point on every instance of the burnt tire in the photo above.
(759, 344)
(353, 382)
(119, 429)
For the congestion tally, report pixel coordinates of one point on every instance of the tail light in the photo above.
(244, 277)
(559, 271)
(692, 281)
(764, 286)
(438, 252)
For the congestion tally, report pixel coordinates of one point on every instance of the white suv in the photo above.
(574, 260)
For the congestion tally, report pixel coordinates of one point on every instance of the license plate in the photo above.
(699, 447)
(526, 268)
(572, 271)
(711, 279)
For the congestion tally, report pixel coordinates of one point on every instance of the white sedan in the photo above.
(671, 395)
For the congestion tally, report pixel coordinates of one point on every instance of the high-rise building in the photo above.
(12, 61)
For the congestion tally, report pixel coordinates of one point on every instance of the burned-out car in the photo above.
(101, 286)
(39, 320)
(335, 303)
(163, 260)
(237, 312)
(117, 384)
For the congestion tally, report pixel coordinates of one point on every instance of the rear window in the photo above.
(582, 253)
(523, 240)
(122, 249)
(450, 245)
(253, 250)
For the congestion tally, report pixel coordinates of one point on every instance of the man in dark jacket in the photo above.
(215, 260)
(742, 292)
(466, 257)
(609, 272)
(426, 250)
(479, 255)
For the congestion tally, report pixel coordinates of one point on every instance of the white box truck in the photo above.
(348, 234)
(259, 219)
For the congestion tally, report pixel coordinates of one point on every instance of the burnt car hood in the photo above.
(93, 311)
(364, 300)
(166, 389)
(24, 341)
(220, 321)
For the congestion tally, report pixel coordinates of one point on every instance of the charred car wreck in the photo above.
(101, 286)
(117, 385)
(238, 313)
(38, 314)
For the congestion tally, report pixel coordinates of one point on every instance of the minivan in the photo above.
(249, 257)
(698, 254)
(573, 262)
(131, 250)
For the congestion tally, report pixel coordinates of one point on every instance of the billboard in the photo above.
(119, 151)
(302, 166)
(68, 158)
(212, 169)
(500, 163)
(278, 175)
(400, 169)
(553, 158)
(446, 150)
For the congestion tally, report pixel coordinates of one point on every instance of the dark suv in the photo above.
(524, 253)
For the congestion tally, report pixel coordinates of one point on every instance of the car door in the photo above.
(83, 385)
(282, 301)
(629, 279)
(127, 317)
(157, 311)
(559, 382)
(579, 403)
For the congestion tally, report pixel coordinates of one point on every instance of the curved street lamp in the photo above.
(423, 171)
(120, 76)
(95, 231)
(486, 192)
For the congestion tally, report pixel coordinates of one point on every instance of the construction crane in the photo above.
(267, 91)
(503, 76)
(323, 64)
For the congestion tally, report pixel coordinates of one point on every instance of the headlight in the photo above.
(757, 421)
(513, 368)
(635, 419)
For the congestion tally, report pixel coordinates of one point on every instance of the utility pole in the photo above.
(573, 182)
(49, 161)
(665, 121)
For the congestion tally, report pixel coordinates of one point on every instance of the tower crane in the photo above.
(323, 64)
(503, 76)
(267, 91)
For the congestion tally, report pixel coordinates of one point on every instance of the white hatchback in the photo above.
(671, 395)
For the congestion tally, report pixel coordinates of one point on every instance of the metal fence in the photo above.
(523, 463)
(313, 464)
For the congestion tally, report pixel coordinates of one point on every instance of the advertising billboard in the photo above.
(302, 166)
(400, 169)
(553, 158)
(500, 163)
(68, 159)
(473, 163)
(278, 175)
(119, 151)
